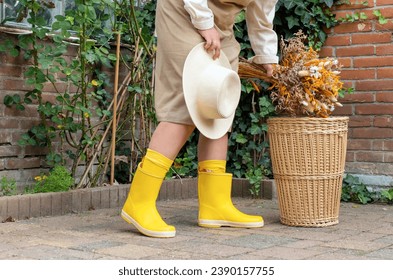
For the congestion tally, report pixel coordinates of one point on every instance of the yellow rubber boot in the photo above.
(215, 204)
(140, 207)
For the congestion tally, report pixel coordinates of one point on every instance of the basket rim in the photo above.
(304, 118)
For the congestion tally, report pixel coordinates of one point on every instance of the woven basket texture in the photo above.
(308, 158)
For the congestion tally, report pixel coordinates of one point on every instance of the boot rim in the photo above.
(221, 223)
(145, 231)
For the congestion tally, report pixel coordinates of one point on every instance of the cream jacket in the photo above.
(259, 17)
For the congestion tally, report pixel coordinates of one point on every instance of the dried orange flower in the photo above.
(302, 84)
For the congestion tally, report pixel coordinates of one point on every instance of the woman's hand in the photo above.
(269, 69)
(213, 42)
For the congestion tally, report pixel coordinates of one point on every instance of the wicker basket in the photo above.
(308, 157)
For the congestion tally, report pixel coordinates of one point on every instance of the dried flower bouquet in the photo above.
(302, 83)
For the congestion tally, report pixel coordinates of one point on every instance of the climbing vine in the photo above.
(75, 127)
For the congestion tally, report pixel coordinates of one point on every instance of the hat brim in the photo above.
(196, 60)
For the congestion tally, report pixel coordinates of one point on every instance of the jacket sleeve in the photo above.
(259, 17)
(201, 16)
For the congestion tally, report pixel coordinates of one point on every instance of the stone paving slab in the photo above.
(365, 232)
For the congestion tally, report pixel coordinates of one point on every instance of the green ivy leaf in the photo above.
(14, 52)
(292, 21)
(255, 129)
(241, 139)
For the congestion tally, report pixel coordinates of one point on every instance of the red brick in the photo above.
(7, 59)
(387, 12)
(384, 49)
(384, 73)
(372, 61)
(5, 137)
(377, 145)
(350, 156)
(16, 85)
(35, 151)
(371, 38)
(29, 112)
(388, 157)
(346, 110)
(346, 62)
(24, 163)
(361, 121)
(353, 27)
(359, 144)
(60, 87)
(10, 71)
(49, 97)
(374, 109)
(338, 40)
(374, 85)
(9, 151)
(372, 133)
(8, 123)
(369, 156)
(326, 51)
(358, 74)
(383, 122)
(355, 51)
(385, 26)
(383, 2)
(33, 121)
(358, 98)
(384, 96)
(388, 145)
(349, 84)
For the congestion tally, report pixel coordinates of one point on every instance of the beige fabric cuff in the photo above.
(261, 59)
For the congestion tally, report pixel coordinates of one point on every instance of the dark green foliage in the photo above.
(59, 179)
(353, 190)
(312, 16)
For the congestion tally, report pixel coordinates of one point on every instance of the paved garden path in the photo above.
(365, 232)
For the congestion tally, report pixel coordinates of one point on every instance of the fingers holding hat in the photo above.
(213, 42)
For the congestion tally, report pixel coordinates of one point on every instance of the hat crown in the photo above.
(211, 91)
(218, 92)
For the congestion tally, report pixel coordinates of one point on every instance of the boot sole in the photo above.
(222, 223)
(151, 233)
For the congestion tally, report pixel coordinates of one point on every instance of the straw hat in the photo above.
(211, 91)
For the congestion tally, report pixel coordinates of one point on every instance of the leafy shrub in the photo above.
(387, 195)
(58, 180)
(7, 186)
(355, 191)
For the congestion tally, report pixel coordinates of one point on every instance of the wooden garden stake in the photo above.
(114, 122)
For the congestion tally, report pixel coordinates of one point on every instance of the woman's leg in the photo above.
(140, 207)
(212, 149)
(169, 138)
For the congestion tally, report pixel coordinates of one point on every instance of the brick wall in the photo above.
(20, 163)
(364, 48)
(366, 51)
(25, 163)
